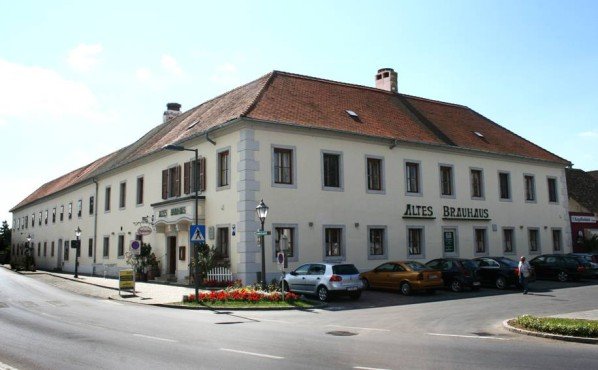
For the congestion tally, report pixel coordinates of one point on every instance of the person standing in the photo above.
(524, 273)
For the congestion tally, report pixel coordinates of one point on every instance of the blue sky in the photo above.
(80, 79)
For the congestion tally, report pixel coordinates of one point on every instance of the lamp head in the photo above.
(262, 210)
(78, 232)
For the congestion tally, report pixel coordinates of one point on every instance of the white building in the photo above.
(350, 173)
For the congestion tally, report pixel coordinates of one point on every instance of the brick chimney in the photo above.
(172, 110)
(386, 79)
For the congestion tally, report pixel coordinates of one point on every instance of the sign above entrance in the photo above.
(197, 234)
(465, 213)
(583, 219)
(144, 230)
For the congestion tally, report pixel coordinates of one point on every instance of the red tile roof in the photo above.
(285, 98)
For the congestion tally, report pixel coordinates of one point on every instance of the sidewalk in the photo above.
(145, 293)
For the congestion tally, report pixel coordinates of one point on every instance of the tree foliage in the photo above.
(5, 235)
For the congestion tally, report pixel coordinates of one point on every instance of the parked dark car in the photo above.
(498, 272)
(560, 267)
(592, 259)
(457, 273)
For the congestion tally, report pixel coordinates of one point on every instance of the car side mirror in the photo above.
(293, 273)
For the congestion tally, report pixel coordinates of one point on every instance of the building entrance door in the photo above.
(171, 242)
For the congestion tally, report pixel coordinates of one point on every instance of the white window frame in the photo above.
(384, 242)
(293, 164)
(382, 175)
(513, 241)
(532, 190)
(218, 168)
(452, 195)
(482, 195)
(340, 186)
(422, 247)
(509, 189)
(475, 241)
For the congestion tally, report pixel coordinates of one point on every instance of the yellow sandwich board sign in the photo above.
(126, 280)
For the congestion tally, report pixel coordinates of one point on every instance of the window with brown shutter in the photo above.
(164, 184)
(202, 174)
(186, 177)
(177, 181)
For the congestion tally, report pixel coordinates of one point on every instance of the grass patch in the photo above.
(555, 325)
(240, 304)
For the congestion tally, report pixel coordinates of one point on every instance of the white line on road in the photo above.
(156, 338)
(4, 366)
(356, 327)
(252, 353)
(368, 368)
(467, 336)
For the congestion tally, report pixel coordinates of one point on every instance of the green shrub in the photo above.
(562, 326)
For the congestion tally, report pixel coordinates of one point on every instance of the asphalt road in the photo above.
(44, 327)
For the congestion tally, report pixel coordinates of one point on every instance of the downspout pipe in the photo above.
(95, 227)
(209, 139)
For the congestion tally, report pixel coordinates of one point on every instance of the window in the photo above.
(412, 177)
(45, 248)
(61, 213)
(331, 167)
(552, 192)
(556, 240)
(46, 217)
(54, 215)
(122, 198)
(477, 186)
(52, 249)
(504, 183)
(191, 169)
(107, 199)
(530, 188)
(70, 212)
(39, 249)
(480, 240)
(66, 250)
(79, 208)
(415, 241)
(90, 247)
(106, 249)
(171, 182)
(283, 166)
(446, 181)
(374, 173)
(121, 246)
(534, 241)
(377, 245)
(91, 204)
(40, 218)
(449, 240)
(33, 219)
(222, 243)
(139, 197)
(223, 168)
(508, 240)
(333, 242)
(285, 234)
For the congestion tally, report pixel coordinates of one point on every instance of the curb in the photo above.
(566, 338)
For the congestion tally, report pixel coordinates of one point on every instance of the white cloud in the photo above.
(84, 57)
(226, 74)
(170, 65)
(38, 94)
(143, 74)
(589, 134)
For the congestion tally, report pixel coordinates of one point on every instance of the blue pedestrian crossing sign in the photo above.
(197, 234)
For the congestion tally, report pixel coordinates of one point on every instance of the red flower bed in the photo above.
(243, 295)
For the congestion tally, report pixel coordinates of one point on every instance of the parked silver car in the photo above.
(324, 279)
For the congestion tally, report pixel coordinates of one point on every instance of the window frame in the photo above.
(106, 247)
(342, 243)
(294, 242)
(509, 198)
(218, 241)
(90, 247)
(484, 230)
(380, 160)
(107, 198)
(122, 195)
(221, 152)
(455, 230)
(554, 180)
(452, 194)
(120, 251)
(79, 208)
(407, 165)
(560, 239)
(92, 204)
(513, 241)
(422, 241)
(70, 211)
(340, 174)
(139, 190)
(535, 230)
(384, 241)
(472, 188)
(529, 191)
(275, 151)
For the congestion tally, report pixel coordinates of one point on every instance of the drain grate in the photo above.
(341, 333)
(483, 334)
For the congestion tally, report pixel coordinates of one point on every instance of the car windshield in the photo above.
(507, 261)
(416, 266)
(344, 270)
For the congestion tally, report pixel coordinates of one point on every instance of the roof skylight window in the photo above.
(478, 134)
(193, 124)
(353, 115)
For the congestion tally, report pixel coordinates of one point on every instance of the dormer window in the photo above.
(353, 115)
(481, 136)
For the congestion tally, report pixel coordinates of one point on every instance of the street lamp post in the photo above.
(179, 148)
(262, 212)
(77, 249)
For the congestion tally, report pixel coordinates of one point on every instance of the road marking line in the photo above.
(356, 327)
(4, 366)
(252, 353)
(156, 338)
(368, 368)
(467, 336)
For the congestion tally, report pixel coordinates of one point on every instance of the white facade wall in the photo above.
(305, 205)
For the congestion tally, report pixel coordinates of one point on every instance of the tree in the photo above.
(5, 235)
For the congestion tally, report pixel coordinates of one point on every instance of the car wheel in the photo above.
(366, 283)
(562, 276)
(456, 286)
(355, 295)
(501, 282)
(322, 293)
(286, 287)
(405, 288)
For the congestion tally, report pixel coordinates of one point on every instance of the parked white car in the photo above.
(323, 279)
